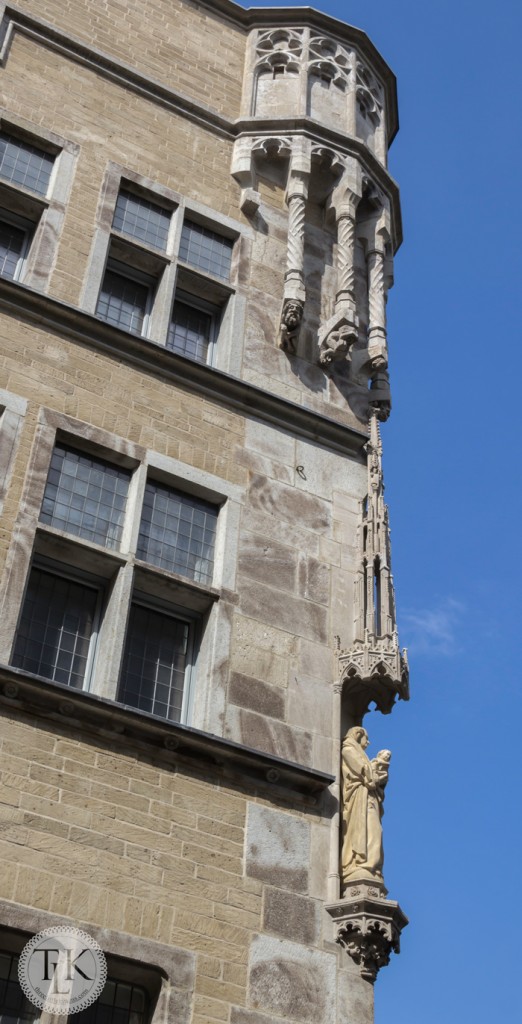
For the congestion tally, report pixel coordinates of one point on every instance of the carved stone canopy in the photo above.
(368, 926)
(374, 670)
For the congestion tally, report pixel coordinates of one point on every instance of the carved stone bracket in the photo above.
(368, 926)
(374, 670)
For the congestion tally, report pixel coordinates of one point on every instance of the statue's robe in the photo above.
(362, 853)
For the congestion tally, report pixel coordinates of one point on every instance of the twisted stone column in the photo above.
(296, 200)
(340, 332)
(345, 257)
(377, 348)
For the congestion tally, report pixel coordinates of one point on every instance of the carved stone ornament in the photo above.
(336, 337)
(364, 783)
(368, 926)
(330, 60)
(369, 95)
(290, 324)
(374, 668)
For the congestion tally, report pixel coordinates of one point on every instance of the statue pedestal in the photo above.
(368, 925)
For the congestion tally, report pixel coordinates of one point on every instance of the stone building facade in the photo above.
(197, 229)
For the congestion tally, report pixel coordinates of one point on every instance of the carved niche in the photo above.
(278, 63)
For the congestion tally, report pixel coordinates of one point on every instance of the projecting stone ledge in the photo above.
(368, 926)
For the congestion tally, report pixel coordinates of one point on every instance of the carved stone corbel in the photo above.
(242, 170)
(368, 926)
(248, 149)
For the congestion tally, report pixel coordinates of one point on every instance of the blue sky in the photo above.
(452, 467)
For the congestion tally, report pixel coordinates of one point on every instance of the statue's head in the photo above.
(384, 756)
(359, 735)
(292, 314)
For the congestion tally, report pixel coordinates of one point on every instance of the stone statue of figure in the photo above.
(290, 324)
(364, 782)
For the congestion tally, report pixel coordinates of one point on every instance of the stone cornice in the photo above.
(52, 314)
(15, 20)
(168, 742)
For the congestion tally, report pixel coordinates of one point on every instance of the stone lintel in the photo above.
(170, 742)
(368, 925)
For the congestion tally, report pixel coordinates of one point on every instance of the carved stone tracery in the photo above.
(369, 94)
(329, 60)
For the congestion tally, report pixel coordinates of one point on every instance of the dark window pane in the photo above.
(14, 1007)
(56, 627)
(123, 301)
(12, 243)
(206, 249)
(74, 501)
(119, 1003)
(171, 540)
(189, 331)
(142, 219)
(24, 164)
(154, 663)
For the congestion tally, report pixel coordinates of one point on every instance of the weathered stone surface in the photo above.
(292, 981)
(277, 848)
(310, 704)
(289, 505)
(264, 733)
(266, 560)
(279, 609)
(314, 580)
(256, 695)
(274, 444)
(355, 997)
(291, 916)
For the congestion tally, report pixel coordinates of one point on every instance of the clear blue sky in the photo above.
(452, 465)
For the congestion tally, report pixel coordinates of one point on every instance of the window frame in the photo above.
(131, 959)
(25, 225)
(43, 212)
(119, 573)
(81, 578)
(172, 274)
(129, 273)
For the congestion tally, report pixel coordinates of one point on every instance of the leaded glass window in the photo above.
(123, 301)
(119, 1003)
(57, 627)
(15, 1008)
(13, 242)
(190, 331)
(85, 496)
(205, 249)
(25, 164)
(155, 662)
(177, 532)
(142, 219)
